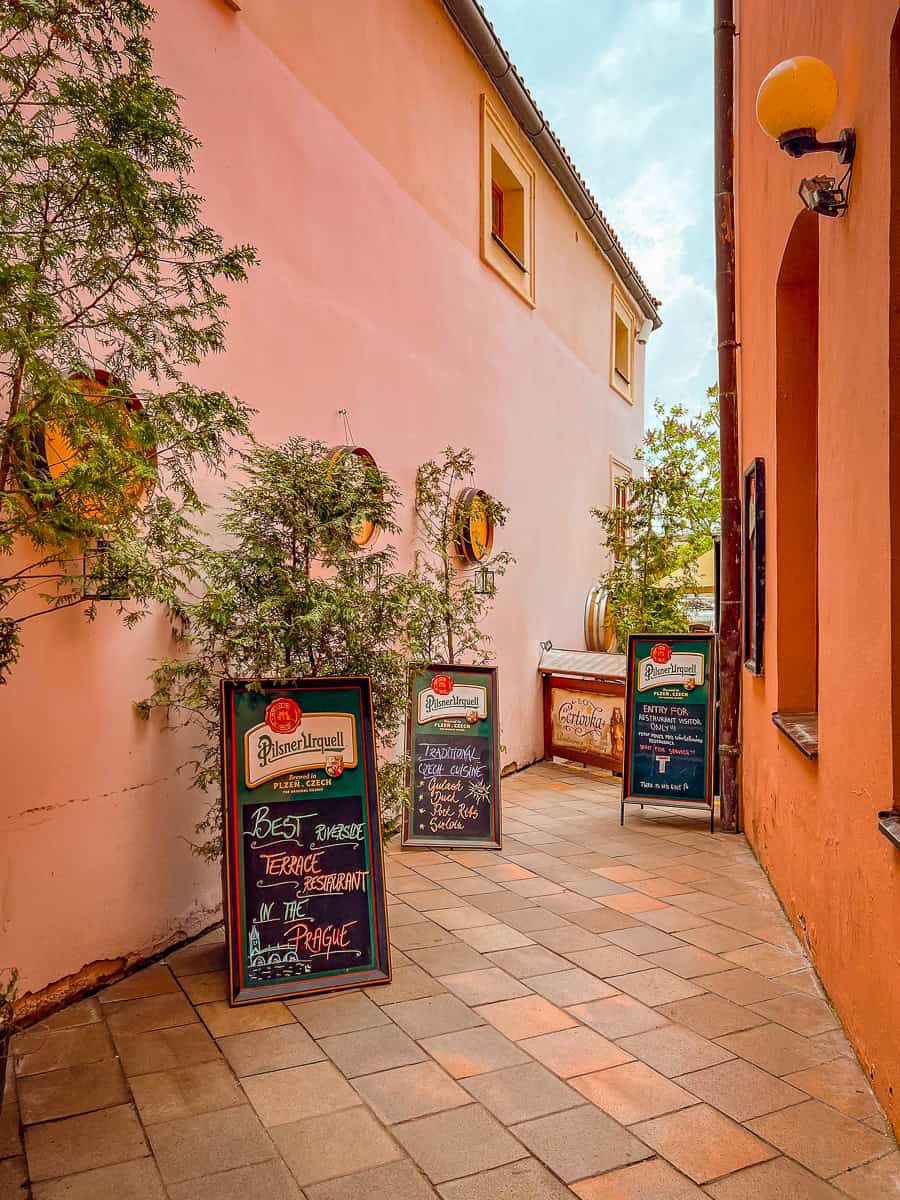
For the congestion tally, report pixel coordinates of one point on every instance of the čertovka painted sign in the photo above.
(304, 887)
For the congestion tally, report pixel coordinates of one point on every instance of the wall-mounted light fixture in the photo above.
(795, 100)
(98, 580)
(485, 582)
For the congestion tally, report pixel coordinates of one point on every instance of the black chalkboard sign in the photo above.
(669, 710)
(453, 744)
(304, 877)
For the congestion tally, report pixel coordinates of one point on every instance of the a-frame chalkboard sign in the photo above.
(453, 746)
(304, 875)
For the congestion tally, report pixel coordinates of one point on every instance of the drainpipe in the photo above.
(729, 460)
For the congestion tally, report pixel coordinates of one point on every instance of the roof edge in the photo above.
(476, 29)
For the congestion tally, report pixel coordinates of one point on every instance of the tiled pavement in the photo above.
(615, 1015)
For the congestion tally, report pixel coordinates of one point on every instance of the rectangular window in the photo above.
(620, 479)
(621, 357)
(507, 204)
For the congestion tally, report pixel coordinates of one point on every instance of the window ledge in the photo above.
(801, 728)
(512, 254)
(889, 825)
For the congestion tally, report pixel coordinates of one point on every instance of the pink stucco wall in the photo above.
(343, 141)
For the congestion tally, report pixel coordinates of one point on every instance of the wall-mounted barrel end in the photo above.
(889, 825)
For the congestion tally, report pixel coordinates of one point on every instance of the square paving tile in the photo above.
(650, 1180)
(485, 986)
(81, 1143)
(370, 1050)
(524, 1180)
(741, 986)
(494, 937)
(392, 1181)
(777, 1179)
(203, 989)
(51, 1050)
(566, 938)
(135, 1180)
(270, 1049)
(643, 939)
(432, 1015)
(459, 1142)
(631, 902)
(522, 1093)
(655, 986)
(450, 960)
(266, 1180)
(689, 961)
(151, 981)
(429, 899)
(500, 902)
(818, 1137)
(84, 1012)
(297, 1092)
(632, 1092)
(526, 1017)
(674, 1050)
(222, 1020)
(607, 961)
(198, 958)
(462, 917)
(804, 1014)
(604, 919)
(581, 1142)
(717, 938)
(673, 920)
(775, 1049)
(185, 1091)
(619, 1016)
(194, 1146)
(712, 1016)
(574, 986)
(409, 982)
(623, 874)
(741, 1090)
(474, 1051)
(408, 1092)
(341, 1143)
(841, 1084)
(420, 936)
(71, 1090)
(575, 1051)
(529, 960)
(702, 1143)
(527, 920)
(161, 1049)
(767, 960)
(875, 1181)
(343, 1013)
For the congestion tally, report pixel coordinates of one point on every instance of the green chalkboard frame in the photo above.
(638, 643)
(460, 674)
(351, 696)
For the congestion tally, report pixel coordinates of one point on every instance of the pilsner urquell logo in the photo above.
(289, 739)
(448, 699)
(665, 666)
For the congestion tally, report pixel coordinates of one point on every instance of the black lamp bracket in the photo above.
(797, 142)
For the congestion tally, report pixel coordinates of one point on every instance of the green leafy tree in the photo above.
(109, 277)
(671, 517)
(291, 594)
(446, 611)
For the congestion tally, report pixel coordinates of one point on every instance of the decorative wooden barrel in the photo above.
(599, 633)
(364, 530)
(58, 455)
(476, 535)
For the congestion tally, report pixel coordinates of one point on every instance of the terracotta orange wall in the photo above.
(814, 825)
(343, 140)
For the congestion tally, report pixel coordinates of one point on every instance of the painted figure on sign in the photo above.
(617, 732)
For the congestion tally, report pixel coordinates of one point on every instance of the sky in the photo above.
(627, 87)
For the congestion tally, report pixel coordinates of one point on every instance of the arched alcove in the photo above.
(796, 487)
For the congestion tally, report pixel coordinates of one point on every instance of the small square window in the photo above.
(620, 479)
(507, 206)
(621, 359)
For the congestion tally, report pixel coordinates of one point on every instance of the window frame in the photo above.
(623, 313)
(618, 470)
(514, 268)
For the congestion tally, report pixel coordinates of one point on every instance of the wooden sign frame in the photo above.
(568, 683)
(665, 797)
(268, 761)
(409, 836)
(753, 621)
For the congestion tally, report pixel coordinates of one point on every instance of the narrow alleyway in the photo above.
(614, 1014)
